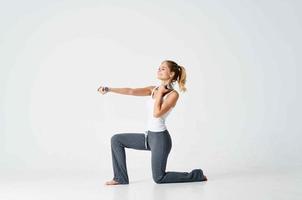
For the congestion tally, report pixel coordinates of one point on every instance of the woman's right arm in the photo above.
(125, 91)
(145, 91)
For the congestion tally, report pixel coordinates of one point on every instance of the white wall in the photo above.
(243, 104)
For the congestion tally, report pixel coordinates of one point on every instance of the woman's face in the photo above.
(163, 72)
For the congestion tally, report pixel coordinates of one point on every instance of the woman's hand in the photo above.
(103, 90)
(162, 89)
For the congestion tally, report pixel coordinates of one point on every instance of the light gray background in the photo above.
(242, 110)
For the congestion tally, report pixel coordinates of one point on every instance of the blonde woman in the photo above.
(157, 138)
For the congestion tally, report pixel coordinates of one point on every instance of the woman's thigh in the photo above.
(160, 149)
(130, 140)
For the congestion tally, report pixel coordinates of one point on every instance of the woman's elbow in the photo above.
(156, 115)
(130, 91)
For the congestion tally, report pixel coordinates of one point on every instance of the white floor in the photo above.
(267, 184)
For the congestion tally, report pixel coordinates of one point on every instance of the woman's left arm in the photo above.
(160, 107)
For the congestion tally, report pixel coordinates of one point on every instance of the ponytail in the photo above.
(181, 80)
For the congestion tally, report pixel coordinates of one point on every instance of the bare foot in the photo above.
(111, 182)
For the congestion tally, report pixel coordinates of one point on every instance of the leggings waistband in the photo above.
(156, 132)
(164, 131)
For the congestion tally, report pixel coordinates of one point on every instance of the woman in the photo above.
(157, 138)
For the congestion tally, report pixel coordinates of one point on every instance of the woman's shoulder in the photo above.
(175, 91)
(152, 88)
(171, 92)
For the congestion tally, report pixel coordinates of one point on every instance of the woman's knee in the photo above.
(115, 138)
(157, 179)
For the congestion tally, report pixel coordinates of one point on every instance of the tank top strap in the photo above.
(153, 91)
(168, 93)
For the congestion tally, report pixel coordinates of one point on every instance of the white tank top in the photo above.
(156, 123)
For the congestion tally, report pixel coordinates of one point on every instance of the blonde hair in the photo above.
(180, 74)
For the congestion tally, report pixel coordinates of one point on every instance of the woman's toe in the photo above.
(111, 182)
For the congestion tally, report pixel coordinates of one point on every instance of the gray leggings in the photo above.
(159, 143)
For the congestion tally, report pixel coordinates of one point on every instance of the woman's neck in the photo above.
(165, 82)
